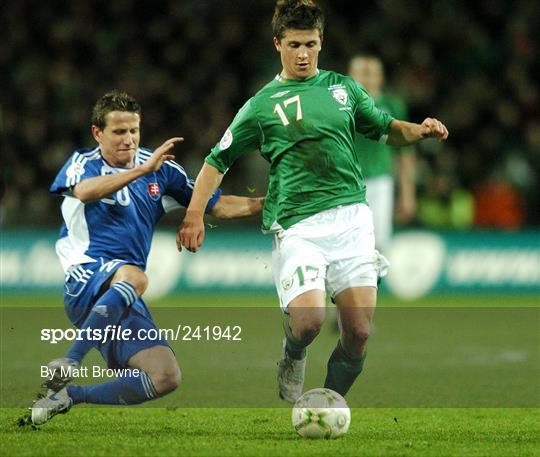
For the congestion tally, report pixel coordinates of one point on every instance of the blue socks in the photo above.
(107, 310)
(130, 389)
(133, 387)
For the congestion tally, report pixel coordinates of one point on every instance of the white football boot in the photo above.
(290, 377)
(44, 409)
(62, 373)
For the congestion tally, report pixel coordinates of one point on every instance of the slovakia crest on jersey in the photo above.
(153, 191)
(341, 95)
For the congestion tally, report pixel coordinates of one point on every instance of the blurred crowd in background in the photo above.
(193, 63)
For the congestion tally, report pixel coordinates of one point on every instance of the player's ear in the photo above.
(277, 44)
(96, 133)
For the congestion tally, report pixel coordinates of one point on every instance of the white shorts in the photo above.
(333, 250)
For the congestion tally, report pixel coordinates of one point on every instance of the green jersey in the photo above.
(376, 158)
(306, 130)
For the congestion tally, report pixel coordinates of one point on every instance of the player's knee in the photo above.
(166, 381)
(307, 330)
(357, 334)
(134, 276)
(140, 282)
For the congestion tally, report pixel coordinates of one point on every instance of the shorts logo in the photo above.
(153, 191)
(110, 265)
(341, 96)
(226, 141)
(287, 283)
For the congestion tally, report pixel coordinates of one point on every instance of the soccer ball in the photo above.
(321, 413)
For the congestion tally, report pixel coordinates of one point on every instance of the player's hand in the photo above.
(433, 128)
(160, 155)
(191, 232)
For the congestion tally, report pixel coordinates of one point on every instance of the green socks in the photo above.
(343, 370)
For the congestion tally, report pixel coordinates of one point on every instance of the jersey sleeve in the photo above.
(370, 121)
(399, 109)
(179, 187)
(77, 168)
(243, 135)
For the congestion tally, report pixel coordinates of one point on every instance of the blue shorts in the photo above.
(84, 285)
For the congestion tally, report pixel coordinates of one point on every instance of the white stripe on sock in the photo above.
(128, 289)
(147, 384)
(145, 387)
(121, 292)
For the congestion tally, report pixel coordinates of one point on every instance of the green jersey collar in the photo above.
(283, 80)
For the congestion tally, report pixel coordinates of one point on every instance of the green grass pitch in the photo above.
(489, 360)
(268, 432)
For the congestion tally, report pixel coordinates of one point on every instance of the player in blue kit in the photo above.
(114, 195)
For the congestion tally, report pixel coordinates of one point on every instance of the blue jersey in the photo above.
(119, 226)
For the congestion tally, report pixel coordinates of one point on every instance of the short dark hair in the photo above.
(297, 14)
(113, 101)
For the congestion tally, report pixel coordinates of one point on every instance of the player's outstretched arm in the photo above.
(93, 189)
(232, 207)
(190, 234)
(403, 133)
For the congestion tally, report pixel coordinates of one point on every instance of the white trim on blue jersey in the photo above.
(76, 167)
(121, 225)
(189, 182)
(144, 154)
(169, 204)
(70, 249)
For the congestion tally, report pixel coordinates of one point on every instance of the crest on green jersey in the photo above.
(341, 95)
(226, 140)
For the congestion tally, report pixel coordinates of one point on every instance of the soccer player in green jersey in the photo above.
(377, 159)
(304, 122)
